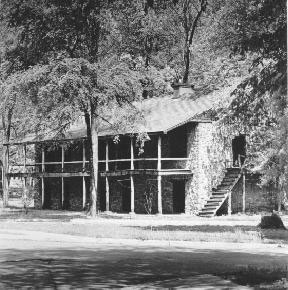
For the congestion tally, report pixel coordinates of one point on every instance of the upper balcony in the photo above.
(163, 154)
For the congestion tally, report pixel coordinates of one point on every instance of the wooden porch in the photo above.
(132, 166)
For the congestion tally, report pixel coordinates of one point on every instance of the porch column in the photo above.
(229, 203)
(131, 176)
(106, 177)
(42, 178)
(159, 177)
(83, 177)
(24, 153)
(62, 170)
(244, 193)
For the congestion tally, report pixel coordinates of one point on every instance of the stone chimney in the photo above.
(181, 89)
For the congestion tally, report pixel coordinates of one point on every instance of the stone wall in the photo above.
(257, 198)
(145, 191)
(37, 193)
(208, 150)
(198, 186)
(52, 190)
(115, 197)
(167, 195)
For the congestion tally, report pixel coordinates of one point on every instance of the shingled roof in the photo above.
(161, 115)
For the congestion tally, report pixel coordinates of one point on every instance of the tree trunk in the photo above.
(190, 32)
(92, 139)
(94, 165)
(7, 132)
(5, 179)
(186, 63)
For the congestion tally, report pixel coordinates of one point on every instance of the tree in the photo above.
(64, 54)
(257, 29)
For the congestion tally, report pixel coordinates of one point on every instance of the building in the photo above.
(188, 165)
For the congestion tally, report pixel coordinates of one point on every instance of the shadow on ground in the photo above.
(131, 267)
(39, 215)
(199, 228)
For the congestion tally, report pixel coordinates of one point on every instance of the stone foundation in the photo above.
(257, 198)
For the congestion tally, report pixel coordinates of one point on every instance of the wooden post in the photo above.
(239, 160)
(24, 153)
(244, 193)
(131, 154)
(159, 177)
(62, 170)
(83, 178)
(106, 178)
(229, 204)
(159, 152)
(42, 178)
(132, 194)
(131, 176)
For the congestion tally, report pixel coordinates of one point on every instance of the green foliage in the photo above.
(257, 29)
(63, 89)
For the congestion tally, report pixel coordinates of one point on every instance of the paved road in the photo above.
(53, 261)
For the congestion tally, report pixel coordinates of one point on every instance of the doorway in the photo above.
(238, 148)
(178, 196)
(126, 195)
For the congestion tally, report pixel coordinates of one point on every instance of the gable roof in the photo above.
(161, 115)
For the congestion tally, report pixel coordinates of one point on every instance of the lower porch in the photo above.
(120, 193)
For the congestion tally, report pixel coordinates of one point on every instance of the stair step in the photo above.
(207, 211)
(211, 207)
(217, 199)
(211, 202)
(219, 190)
(228, 182)
(232, 173)
(223, 187)
(233, 178)
(218, 195)
(205, 215)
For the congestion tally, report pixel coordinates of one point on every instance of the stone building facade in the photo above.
(184, 162)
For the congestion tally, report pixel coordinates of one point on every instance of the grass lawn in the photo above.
(237, 228)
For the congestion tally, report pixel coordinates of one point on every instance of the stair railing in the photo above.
(242, 173)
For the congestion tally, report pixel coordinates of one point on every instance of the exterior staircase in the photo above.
(221, 193)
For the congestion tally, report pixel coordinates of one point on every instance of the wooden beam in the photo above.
(107, 207)
(163, 172)
(62, 158)
(132, 194)
(42, 179)
(107, 156)
(159, 177)
(43, 160)
(24, 155)
(62, 178)
(229, 203)
(244, 193)
(83, 178)
(159, 191)
(107, 196)
(42, 192)
(25, 178)
(47, 174)
(159, 152)
(84, 192)
(62, 192)
(131, 153)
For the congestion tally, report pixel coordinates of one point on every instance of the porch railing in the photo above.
(104, 165)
